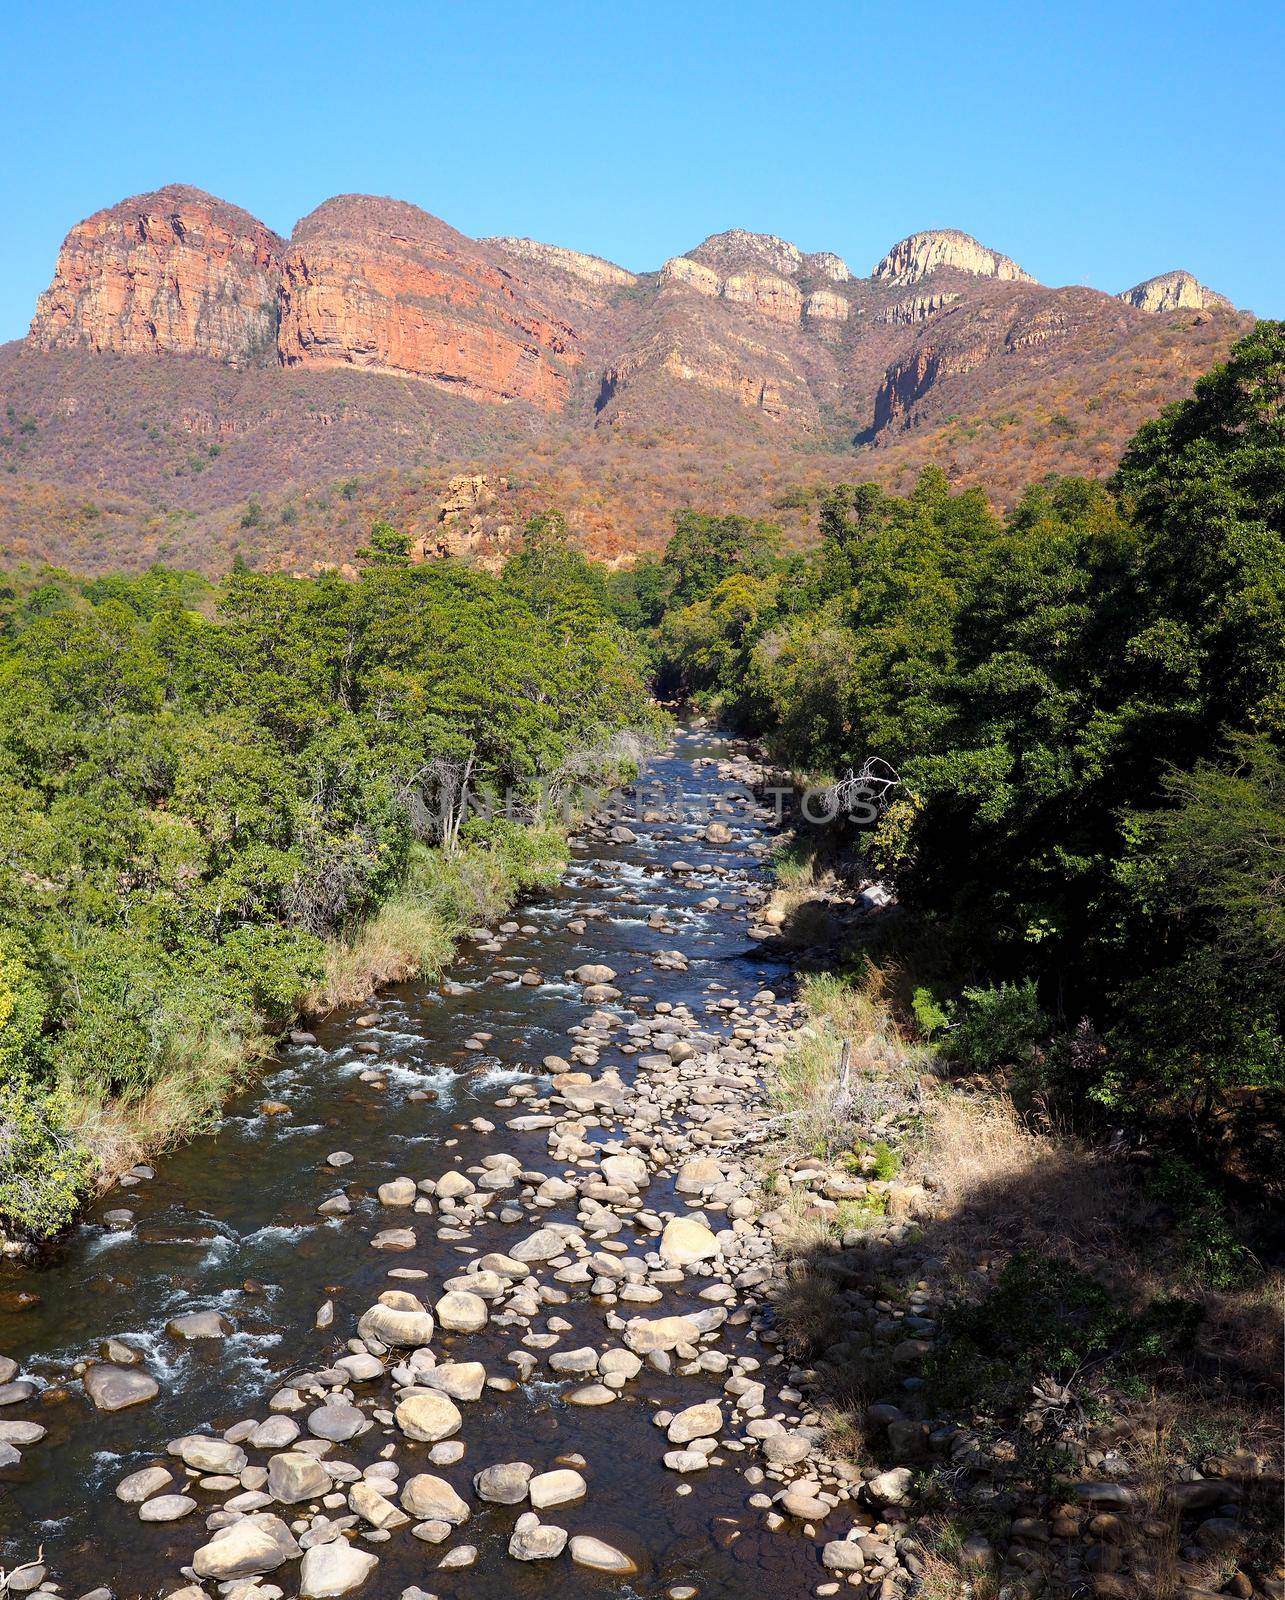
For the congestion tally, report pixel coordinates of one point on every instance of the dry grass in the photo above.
(401, 941)
(202, 1071)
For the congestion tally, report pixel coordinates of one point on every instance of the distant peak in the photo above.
(912, 260)
(1174, 291)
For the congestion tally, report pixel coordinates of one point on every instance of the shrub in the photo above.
(43, 1168)
(999, 1026)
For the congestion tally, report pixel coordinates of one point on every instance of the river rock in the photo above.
(397, 1318)
(596, 1554)
(685, 1240)
(891, 1488)
(203, 1453)
(461, 1312)
(644, 1335)
(434, 1500)
(542, 1245)
(334, 1569)
(398, 1192)
(199, 1325)
(593, 972)
(138, 1486)
(505, 1483)
(274, 1434)
(428, 1416)
(294, 1477)
(561, 1487)
(702, 1421)
(21, 1432)
(166, 1508)
(462, 1380)
(112, 1388)
(843, 1555)
(366, 1500)
(246, 1549)
(534, 1540)
(338, 1421)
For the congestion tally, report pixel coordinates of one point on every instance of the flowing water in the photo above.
(229, 1222)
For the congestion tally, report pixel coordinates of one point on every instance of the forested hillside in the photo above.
(1084, 702)
(216, 803)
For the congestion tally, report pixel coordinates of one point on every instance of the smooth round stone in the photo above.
(139, 1486)
(505, 1483)
(461, 1312)
(586, 1551)
(592, 1394)
(166, 1508)
(429, 1416)
(274, 1434)
(198, 1325)
(112, 1388)
(338, 1422)
(561, 1487)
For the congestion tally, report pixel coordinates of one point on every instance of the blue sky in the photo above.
(1096, 143)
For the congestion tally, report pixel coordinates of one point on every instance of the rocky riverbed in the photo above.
(477, 1295)
(537, 1353)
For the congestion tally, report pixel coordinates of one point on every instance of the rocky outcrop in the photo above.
(684, 273)
(1174, 291)
(468, 526)
(823, 305)
(915, 257)
(825, 264)
(383, 286)
(589, 269)
(174, 271)
(766, 293)
(738, 250)
(916, 308)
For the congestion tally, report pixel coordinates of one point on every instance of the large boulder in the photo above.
(334, 1569)
(432, 1499)
(686, 1240)
(397, 1318)
(428, 1415)
(112, 1388)
(246, 1549)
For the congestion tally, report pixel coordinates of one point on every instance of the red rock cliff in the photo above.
(175, 270)
(381, 285)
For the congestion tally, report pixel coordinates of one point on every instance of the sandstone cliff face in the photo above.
(172, 271)
(589, 269)
(912, 260)
(825, 264)
(381, 285)
(1174, 291)
(765, 293)
(916, 308)
(823, 305)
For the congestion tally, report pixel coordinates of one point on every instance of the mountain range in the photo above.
(193, 385)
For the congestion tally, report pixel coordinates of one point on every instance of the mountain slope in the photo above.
(186, 360)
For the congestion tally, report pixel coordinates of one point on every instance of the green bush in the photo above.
(44, 1170)
(999, 1026)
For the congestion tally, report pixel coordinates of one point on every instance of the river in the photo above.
(229, 1222)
